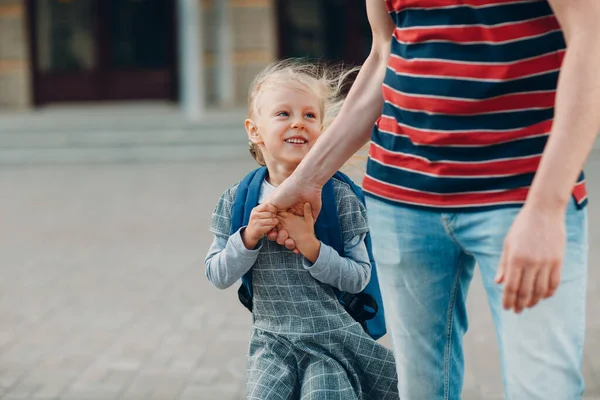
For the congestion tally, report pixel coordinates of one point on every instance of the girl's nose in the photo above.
(298, 125)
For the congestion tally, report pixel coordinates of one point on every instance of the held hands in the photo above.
(531, 260)
(295, 232)
(301, 231)
(292, 195)
(263, 219)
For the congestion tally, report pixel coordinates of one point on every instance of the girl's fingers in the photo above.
(269, 223)
(308, 213)
(282, 237)
(266, 208)
(264, 215)
(272, 234)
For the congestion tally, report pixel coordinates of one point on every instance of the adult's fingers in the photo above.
(501, 267)
(554, 280)
(272, 235)
(282, 236)
(290, 244)
(542, 283)
(512, 283)
(526, 288)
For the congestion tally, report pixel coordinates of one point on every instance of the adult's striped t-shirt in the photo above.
(469, 98)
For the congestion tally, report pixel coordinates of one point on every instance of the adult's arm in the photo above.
(352, 127)
(534, 247)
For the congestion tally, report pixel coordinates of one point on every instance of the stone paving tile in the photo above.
(103, 294)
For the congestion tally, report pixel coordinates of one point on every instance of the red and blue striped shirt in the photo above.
(469, 98)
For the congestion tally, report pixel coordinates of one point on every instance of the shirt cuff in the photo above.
(237, 242)
(322, 261)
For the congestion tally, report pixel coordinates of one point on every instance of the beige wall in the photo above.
(14, 59)
(254, 43)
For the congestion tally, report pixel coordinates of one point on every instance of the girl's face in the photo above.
(287, 125)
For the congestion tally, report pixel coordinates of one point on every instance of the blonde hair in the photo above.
(325, 82)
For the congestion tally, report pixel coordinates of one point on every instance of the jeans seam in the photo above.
(450, 317)
(450, 233)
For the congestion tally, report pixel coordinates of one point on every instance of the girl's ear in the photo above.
(252, 131)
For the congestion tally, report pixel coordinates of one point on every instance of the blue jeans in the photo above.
(425, 263)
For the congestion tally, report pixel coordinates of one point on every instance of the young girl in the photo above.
(304, 344)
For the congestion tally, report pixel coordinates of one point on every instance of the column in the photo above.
(224, 47)
(191, 59)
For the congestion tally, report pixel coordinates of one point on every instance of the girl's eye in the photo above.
(311, 115)
(283, 114)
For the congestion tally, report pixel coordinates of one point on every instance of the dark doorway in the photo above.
(94, 50)
(330, 30)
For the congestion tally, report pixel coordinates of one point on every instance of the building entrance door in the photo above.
(94, 50)
(333, 30)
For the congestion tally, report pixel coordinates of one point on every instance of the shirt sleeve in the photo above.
(228, 260)
(350, 273)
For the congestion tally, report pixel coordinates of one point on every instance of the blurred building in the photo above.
(197, 53)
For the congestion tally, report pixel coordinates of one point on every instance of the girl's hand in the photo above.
(301, 229)
(263, 219)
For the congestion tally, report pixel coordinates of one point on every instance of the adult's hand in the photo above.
(291, 195)
(531, 261)
(282, 237)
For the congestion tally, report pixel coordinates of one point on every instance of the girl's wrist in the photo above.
(248, 239)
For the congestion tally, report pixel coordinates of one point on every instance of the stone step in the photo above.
(93, 124)
(104, 146)
(148, 133)
(142, 117)
(122, 154)
(140, 136)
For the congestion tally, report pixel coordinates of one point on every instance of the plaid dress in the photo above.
(304, 345)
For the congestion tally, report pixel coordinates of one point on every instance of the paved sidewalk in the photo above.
(103, 294)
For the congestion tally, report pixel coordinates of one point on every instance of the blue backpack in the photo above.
(365, 307)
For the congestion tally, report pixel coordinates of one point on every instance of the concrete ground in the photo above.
(103, 294)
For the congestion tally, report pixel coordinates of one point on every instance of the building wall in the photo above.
(254, 25)
(15, 84)
(253, 22)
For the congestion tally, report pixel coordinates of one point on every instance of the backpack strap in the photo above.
(365, 307)
(246, 198)
(327, 226)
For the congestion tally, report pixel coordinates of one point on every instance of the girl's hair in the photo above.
(327, 83)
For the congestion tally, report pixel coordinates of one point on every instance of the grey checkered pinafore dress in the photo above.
(304, 345)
